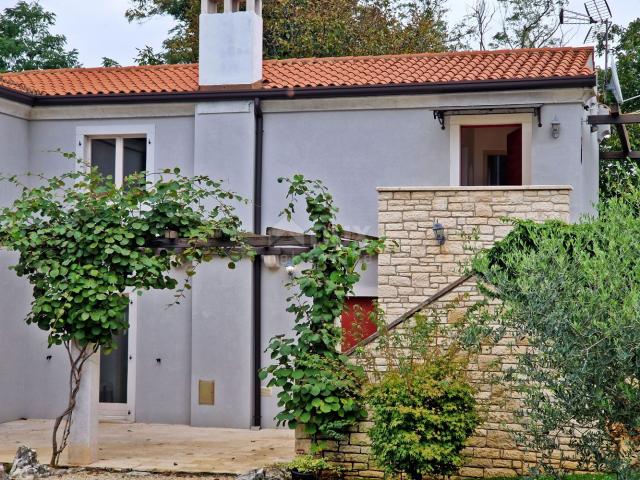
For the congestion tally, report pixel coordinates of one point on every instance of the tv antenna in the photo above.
(597, 14)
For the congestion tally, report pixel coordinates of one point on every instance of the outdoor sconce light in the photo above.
(438, 230)
(555, 127)
(291, 270)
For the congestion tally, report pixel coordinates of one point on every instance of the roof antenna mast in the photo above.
(597, 14)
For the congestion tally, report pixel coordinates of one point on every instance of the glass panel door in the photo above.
(117, 374)
(114, 371)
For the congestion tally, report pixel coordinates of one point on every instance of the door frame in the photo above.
(497, 119)
(126, 412)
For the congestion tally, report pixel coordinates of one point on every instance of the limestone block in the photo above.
(500, 472)
(471, 472)
(360, 439)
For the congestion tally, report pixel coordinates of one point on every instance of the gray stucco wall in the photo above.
(571, 159)
(221, 333)
(353, 152)
(208, 336)
(14, 292)
(162, 393)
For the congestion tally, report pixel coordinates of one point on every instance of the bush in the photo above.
(423, 409)
(309, 464)
(573, 291)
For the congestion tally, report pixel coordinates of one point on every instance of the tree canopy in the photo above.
(26, 42)
(305, 28)
(513, 24)
(618, 176)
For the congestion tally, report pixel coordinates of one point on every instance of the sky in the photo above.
(98, 28)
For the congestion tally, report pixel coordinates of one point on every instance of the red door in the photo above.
(514, 157)
(356, 321)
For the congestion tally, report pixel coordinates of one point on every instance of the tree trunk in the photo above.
(414, 475)
(77, 363)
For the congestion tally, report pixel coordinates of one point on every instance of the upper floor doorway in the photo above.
(491, 155)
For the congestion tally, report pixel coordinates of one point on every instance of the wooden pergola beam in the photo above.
(620, 119)
(621, 128)
(634, 155)
(275, 242)
(346, 234)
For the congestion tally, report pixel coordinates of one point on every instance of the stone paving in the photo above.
(162, 448)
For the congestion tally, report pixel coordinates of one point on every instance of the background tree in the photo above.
(529, 24)
(181, 46)
(26, 42)
(618, 176)
(305, 28)
(514, 24)
(109, 62)
(477, 23)
(147, 56)
(83, 244)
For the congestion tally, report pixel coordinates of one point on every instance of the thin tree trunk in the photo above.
(75, 377)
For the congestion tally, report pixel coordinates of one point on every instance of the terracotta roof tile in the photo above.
(318, 72)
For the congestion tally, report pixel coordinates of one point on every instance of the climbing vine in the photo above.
(84, 245)
(320, 389)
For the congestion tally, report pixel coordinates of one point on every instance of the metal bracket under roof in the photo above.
(442, 112)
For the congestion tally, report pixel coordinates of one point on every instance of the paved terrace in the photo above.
(162, 448)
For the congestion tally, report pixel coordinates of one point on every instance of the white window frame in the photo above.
(84, 135)
(458, 121)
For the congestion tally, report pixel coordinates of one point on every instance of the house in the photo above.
(513, 117)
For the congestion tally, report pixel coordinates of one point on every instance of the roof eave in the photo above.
(582, 81)
(16, 96)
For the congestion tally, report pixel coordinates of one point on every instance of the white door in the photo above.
(118, 374)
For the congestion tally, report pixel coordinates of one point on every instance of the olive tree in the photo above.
(573, 291)
(83, 244)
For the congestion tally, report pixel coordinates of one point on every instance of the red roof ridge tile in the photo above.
(137, 68)
(453, 53)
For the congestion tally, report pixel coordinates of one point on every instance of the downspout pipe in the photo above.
(256, 406)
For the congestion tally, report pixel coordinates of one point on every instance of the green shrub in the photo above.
(423, 409)
(308, 464)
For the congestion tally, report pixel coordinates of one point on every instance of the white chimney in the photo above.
(230, 44)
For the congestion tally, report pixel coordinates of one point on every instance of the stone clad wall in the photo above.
(416, 269)
(419, 267)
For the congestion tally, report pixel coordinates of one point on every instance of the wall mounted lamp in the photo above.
(555, 127)
(291, 270)
(438, 230)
